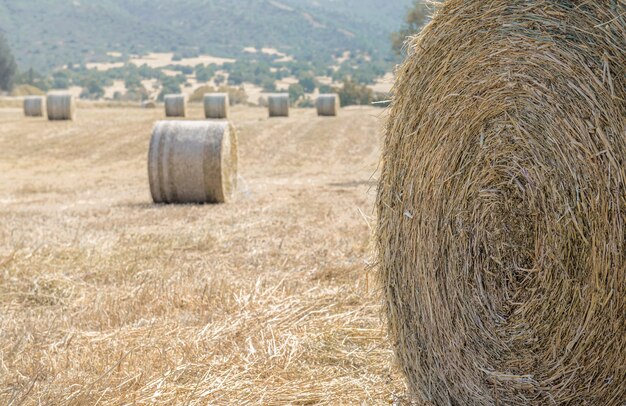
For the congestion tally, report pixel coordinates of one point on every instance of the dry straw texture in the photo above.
(34, 106)
(107, 299)
(60, 106)
(327, 104)
(148, 104)
(192, 162)
(175, 105)
(502, 205)
(216, 105)
(278, 105)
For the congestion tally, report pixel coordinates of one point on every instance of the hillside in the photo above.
(50, 33)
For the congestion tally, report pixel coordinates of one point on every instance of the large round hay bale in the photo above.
(192, 162)
(34, 106)
(278, 105)
(216, 105)
(60, 106)
(502, 205)
(175, 105)
(327, 104)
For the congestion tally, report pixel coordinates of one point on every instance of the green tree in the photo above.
(415, 20)
(170, 86)
(235, 79)
(92, 89)
(354, 94)
(308, 83)
(8, 67)
(326, 89)
(60, 80)
(205, 73)
(30, 76)
(296, 92)
(133, 81)
(269, 85)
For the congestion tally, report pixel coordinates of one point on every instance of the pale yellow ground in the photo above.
(108, 299)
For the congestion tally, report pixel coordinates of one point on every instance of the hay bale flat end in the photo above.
(278, 105)
(502, 204)
(60, 106)
(192, 162)
(175, 105)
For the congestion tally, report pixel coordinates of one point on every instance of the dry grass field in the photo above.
(108, 299)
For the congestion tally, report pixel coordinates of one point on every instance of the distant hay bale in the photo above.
(278, 105)
(327, 104)
(175, 105)
(60, 106)
(148, 104)
(216, 105)
(502, 205)
(34, 106)
(193, 162)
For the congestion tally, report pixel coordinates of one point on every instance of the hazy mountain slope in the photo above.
(47, 33)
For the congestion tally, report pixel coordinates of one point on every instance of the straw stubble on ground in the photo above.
(106, 298)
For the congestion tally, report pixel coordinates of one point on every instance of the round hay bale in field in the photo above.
(327, 104)
(34, 106)
(148, 104)
(60, 106)
(192, 162)
(278, 105)
(502, 205)
(175, 105)
(216, 105)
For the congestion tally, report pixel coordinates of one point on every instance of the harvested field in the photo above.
(106, 298)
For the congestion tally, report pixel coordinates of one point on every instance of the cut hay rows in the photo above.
(60, 106)
(216, 105)
(502, 205)
(107, 299)
(34, 106)
(192, 162)
(278, 105)
(327, 104)
(175, 105)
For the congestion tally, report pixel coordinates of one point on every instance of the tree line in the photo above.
(8, 67)
(354, 75)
